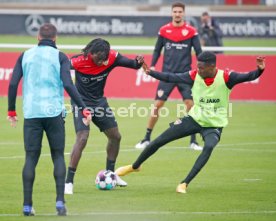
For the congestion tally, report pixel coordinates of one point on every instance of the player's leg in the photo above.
(104, 119)
(55, 132)
(158, 104)
(82, 134)
(112, 150)
(163, 92)
(28, 175)
(193, 143)
(76, 153)
(180, 128)
(186, 92)
(113, 145)
(211, 138)
(33, 133)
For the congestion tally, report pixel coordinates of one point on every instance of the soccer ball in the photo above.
(106, 180)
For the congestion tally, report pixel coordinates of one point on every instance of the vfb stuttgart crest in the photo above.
(160, 93)
(178, 121)
(185, 32)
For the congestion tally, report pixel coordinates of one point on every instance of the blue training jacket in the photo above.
(42, 86)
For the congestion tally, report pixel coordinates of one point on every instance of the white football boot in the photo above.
(120, 182)
(142, 144)
(68, 188)
(195, 146)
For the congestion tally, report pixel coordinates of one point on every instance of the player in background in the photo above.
(92, 67)
(210, 32)
(177, 38)
(211, 88)
(45, 71)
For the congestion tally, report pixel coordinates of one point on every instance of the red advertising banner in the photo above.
(128, 83)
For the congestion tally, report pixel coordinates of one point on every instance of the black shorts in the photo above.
(102, 116)
(188, 126)
(164, 90)
(33, 133)
(211, 130)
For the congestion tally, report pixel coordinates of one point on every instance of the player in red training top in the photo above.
(92, 68)
(177, 38)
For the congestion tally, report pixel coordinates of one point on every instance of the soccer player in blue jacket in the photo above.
(45, 72)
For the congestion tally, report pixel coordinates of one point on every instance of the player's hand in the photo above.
(87, 120)
(146, 68)
(140, 59)
(152, 68)
(260, 62)
(87, 117)
(13, 120)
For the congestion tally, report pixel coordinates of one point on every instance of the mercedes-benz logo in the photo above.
(33, 23)
(168, 45)
(85, 80)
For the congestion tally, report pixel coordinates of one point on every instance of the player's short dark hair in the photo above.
(207, 57)
(97, 45)
(178, 4)
(47, 31)
(205, 14)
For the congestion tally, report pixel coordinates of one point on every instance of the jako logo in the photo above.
(213, 100)
(142, 77)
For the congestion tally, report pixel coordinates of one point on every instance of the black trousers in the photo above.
(33, 134)
(182, 128)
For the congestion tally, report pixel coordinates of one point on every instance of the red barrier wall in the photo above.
(127, 83)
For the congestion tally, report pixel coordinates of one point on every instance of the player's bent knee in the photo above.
(119, 137)
(115, 137)
(208, 148)
(82, 136)
(158, 104)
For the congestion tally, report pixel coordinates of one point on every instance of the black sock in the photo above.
(110, 164)
(148, 134)
(193, 139)
(70, 175)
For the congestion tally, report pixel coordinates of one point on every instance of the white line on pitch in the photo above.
(221, 145)
(251, 180)
(172, 148)
(151, 213)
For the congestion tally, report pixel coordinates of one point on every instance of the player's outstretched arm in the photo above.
(169, 77)
(123, 61)
(237, 78)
